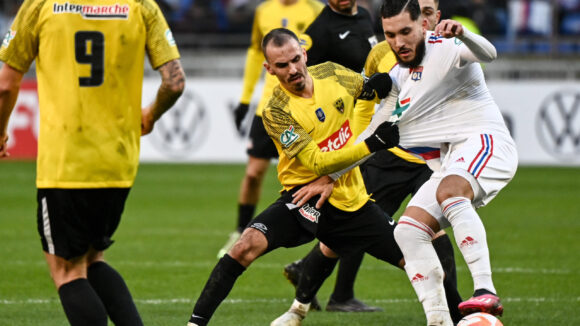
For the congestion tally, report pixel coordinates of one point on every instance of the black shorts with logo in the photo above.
(368, 229)
(72, 220)
(261, 145)
(390, 179)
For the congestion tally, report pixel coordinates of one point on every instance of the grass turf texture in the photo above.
(178, 216)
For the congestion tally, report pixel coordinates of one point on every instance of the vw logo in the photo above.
(558, 125)
(181, 130)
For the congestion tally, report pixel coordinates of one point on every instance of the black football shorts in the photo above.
(390, 179)
(261, 145)
(71, 220)
(368, 229)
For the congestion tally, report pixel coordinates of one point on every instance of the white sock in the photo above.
(300, 308)
(471, 240)
(423, 268)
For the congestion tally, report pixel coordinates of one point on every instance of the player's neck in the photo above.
(288, 2)
(353, 11)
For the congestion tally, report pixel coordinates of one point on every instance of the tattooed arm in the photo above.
(172, 85)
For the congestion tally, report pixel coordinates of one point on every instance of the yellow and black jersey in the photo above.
(269, 15)
(89, 61)
(314, 135)
(381, 59)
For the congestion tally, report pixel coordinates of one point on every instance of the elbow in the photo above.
(492, 55)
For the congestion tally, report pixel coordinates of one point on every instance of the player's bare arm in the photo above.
(9, 86)
(172, 86)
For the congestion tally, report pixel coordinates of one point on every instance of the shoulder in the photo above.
(380, 59)
(264, 6)
(315, 5)
(324, 70)
(363, 12)
(279, 101)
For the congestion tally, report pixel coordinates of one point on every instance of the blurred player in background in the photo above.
(295, 15)
(298, 121)
(390, 176)
(443, 103)
(89, 62)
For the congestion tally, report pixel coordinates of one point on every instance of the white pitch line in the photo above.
(281, 300)
(259, 265)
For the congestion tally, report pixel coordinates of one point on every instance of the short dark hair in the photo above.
(279, 36)
(391, 8)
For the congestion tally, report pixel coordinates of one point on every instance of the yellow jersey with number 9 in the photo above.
(89, 61)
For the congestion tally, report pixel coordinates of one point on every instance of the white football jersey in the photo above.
(444, 100)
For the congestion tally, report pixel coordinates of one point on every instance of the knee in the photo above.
(327, 252)
(250, 246)
(409, 230)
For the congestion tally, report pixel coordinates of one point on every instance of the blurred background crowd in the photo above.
(541, 27)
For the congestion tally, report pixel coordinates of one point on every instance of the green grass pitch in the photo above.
(178, 216)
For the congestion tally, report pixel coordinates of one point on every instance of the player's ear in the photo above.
(304, 54)
(268, 68)
(438, 15)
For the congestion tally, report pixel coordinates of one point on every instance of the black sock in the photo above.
(444, 250)
(245, 215)
(347, 270)
(111, 288)
(81, 304)
(316, 269)
(479, 292)
(218, 286)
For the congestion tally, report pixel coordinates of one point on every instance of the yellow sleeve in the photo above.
(20, 45)
(324, 163)
(254, 61)
(380, 59)
(363, 114)
(161, 46)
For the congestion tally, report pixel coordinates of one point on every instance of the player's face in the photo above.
(406, 37)
(430, 11)
(288, 64)
(343, 6)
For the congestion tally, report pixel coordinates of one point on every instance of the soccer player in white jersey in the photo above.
(443, 103)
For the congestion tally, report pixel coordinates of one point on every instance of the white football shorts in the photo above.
(487, 161)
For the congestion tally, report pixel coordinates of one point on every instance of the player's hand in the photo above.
(147, 121)
(322, 186)
(449, 28)
(240, 113)
(380, 83)
(385, 136)
(4, 146)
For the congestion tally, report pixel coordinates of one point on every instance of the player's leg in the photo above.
(316, 268)
(342, 298)
(475, 171)
(275, 227)
(251, 244)
(112, 290)
(64, 241)
(105, 280)
(260, 151)
(79, 300)
(414, 235)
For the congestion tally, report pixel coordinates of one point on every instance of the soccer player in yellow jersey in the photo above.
(295, 15)
(310, 117)
(89, 63)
